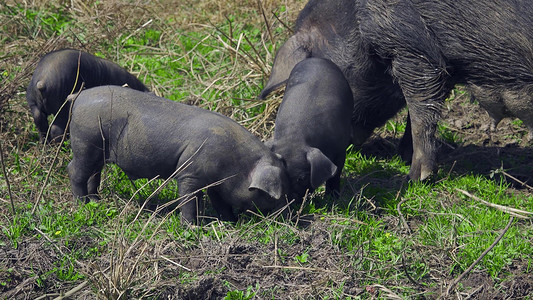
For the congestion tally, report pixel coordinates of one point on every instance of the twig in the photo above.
(136, 30)
(455, 281)
(175, 263)
(389, 294)
(517, 180)
(7, 179)
(47, 296)
(299, 213)
(260, 4)
(512, 211)
(73, 291)
(301, 269)
(283, 23)
(472, 293)
(398, 209)
(275, 249)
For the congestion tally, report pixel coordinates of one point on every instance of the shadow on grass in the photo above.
(491, 161)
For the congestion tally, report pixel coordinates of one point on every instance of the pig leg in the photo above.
(224, 210)
(84, 169)
(418, 66)
(60, 125)
(93, 184)
(333, 185)
(520, 104)
(41, 122)
(83, 178)
(424, 87)
(405, 148)
(192, 197)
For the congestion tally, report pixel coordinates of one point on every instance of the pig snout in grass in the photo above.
(414, 52)
(149, 136)
(313, 126)
(60, 73)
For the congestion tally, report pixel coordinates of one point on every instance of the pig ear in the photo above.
(322, 168)
(268, 179)
(292, 52)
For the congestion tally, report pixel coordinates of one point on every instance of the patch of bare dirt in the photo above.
(22, 269)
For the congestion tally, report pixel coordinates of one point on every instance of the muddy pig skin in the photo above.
(414, 52)
(313, 126)
(148, 136)
(55, 78)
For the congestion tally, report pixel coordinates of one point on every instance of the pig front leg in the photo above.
(59, 126)
(405, 148)
(41, 122)
(192, 197)
(224, 210)
(333, 186)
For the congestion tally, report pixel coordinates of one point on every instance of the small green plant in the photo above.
(302, 258)
(240, 295)
(449, 135)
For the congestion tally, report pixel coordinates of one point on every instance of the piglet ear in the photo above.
(268, 179)
(322, 168)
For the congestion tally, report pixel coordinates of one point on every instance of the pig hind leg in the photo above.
(424, 87)
(84, 178)
(84, 169)
(520, 104)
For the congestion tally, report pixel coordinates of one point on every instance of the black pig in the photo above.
(55, 78)
(414, 52)
(148, 136)
(313, 126)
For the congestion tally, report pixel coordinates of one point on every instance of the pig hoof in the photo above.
(420, 173)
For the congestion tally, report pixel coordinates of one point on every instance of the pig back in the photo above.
(147, 135)
(317, 104)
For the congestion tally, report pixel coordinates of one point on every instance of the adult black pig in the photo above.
(313, 126)
(60, 73)
(149, 136)
(414, 52)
